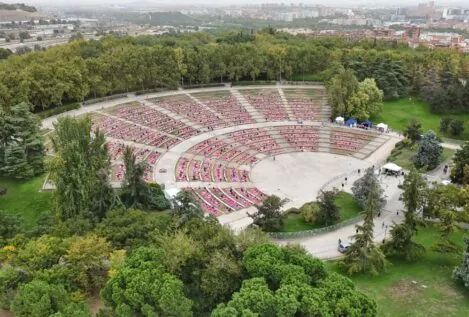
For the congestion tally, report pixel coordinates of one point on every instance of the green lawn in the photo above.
(404, 158)
(434, 293)
(25, 198)
(348, 208)
(398, 113)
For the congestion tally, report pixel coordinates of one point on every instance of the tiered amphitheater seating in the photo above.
(188, 108)
(257, 139)
(218, 201)
(347, 141)
(154, 119)
(224, 103)
(301, 138)
(268, 102)
(304, 103)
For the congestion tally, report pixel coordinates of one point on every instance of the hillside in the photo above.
(17, 6)
(19, 12)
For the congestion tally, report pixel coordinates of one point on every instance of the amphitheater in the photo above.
(231, 147)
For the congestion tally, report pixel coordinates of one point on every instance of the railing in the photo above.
(314, 232)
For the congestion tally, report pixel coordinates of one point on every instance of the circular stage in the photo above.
(300, 176)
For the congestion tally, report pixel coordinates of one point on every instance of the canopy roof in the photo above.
(392, 167)
(382, 126)
(339, 119)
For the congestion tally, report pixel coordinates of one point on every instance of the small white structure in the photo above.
(382, 126)
(339, 120)
(391, 168)
(170, 194)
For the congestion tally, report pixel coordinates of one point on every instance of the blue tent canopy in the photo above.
(350, 121)
(367, 123)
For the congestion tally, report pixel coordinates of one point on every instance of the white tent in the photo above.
(392, 167)
(382, 126)
(170, 193)
(339, 120)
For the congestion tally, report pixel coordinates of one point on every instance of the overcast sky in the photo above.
(368, 3)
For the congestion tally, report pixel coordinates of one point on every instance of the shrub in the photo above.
(444, 124)
(456, 127)
(107, 98)
(58, 110)
(310, 211)
(3, 191)
(203, 85)
(254, 82)
(292, 210)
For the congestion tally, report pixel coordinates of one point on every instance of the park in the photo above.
(233, 193)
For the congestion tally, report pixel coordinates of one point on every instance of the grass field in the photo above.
(25, 199)
(404, 158)
(398, 113)
(419, 289)
(348, 208)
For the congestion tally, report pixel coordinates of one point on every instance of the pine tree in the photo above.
(363, 256)
(21, 144)
(429, 152)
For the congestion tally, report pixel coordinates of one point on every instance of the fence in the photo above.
(313, 232)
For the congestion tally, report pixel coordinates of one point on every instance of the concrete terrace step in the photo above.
(174, 115)
(219, 115)
(249, 108)
(286, 104)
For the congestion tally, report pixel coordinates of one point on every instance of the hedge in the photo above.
(151, 91)
(253, 82)
(313, 232)
(107, 98)
(203, 85)
(58, 110)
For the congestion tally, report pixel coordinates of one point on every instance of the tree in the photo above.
(131, 228)
(367, 100)
(456, 127)
(185, 207)
(269, 215)
(135, 192)
(413, 196)
(9, 226)
(413, 130)
(309, 211)
(87, 257)
(461, 272)
(339, 91)
(39, 299)
(444, 124)
(429, 151)
(363, 256)
(21, 144)
(328, 211)
(143, 288)
(105, 198)
(362, 186)
(460, 160)
(76, 168)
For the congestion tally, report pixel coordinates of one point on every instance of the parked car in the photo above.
(343, 247)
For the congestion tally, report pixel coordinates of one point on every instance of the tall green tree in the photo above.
(460, 160)
(339, 91)
(367, 100)
(185, 207)
(361, 188)
(429, 151)
(328, 211)
(363, 256)
(413, 130)
(135, 192)
(21, 144)
(75, 169)
(269, 215)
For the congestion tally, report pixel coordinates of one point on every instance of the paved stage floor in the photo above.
(299, 176)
